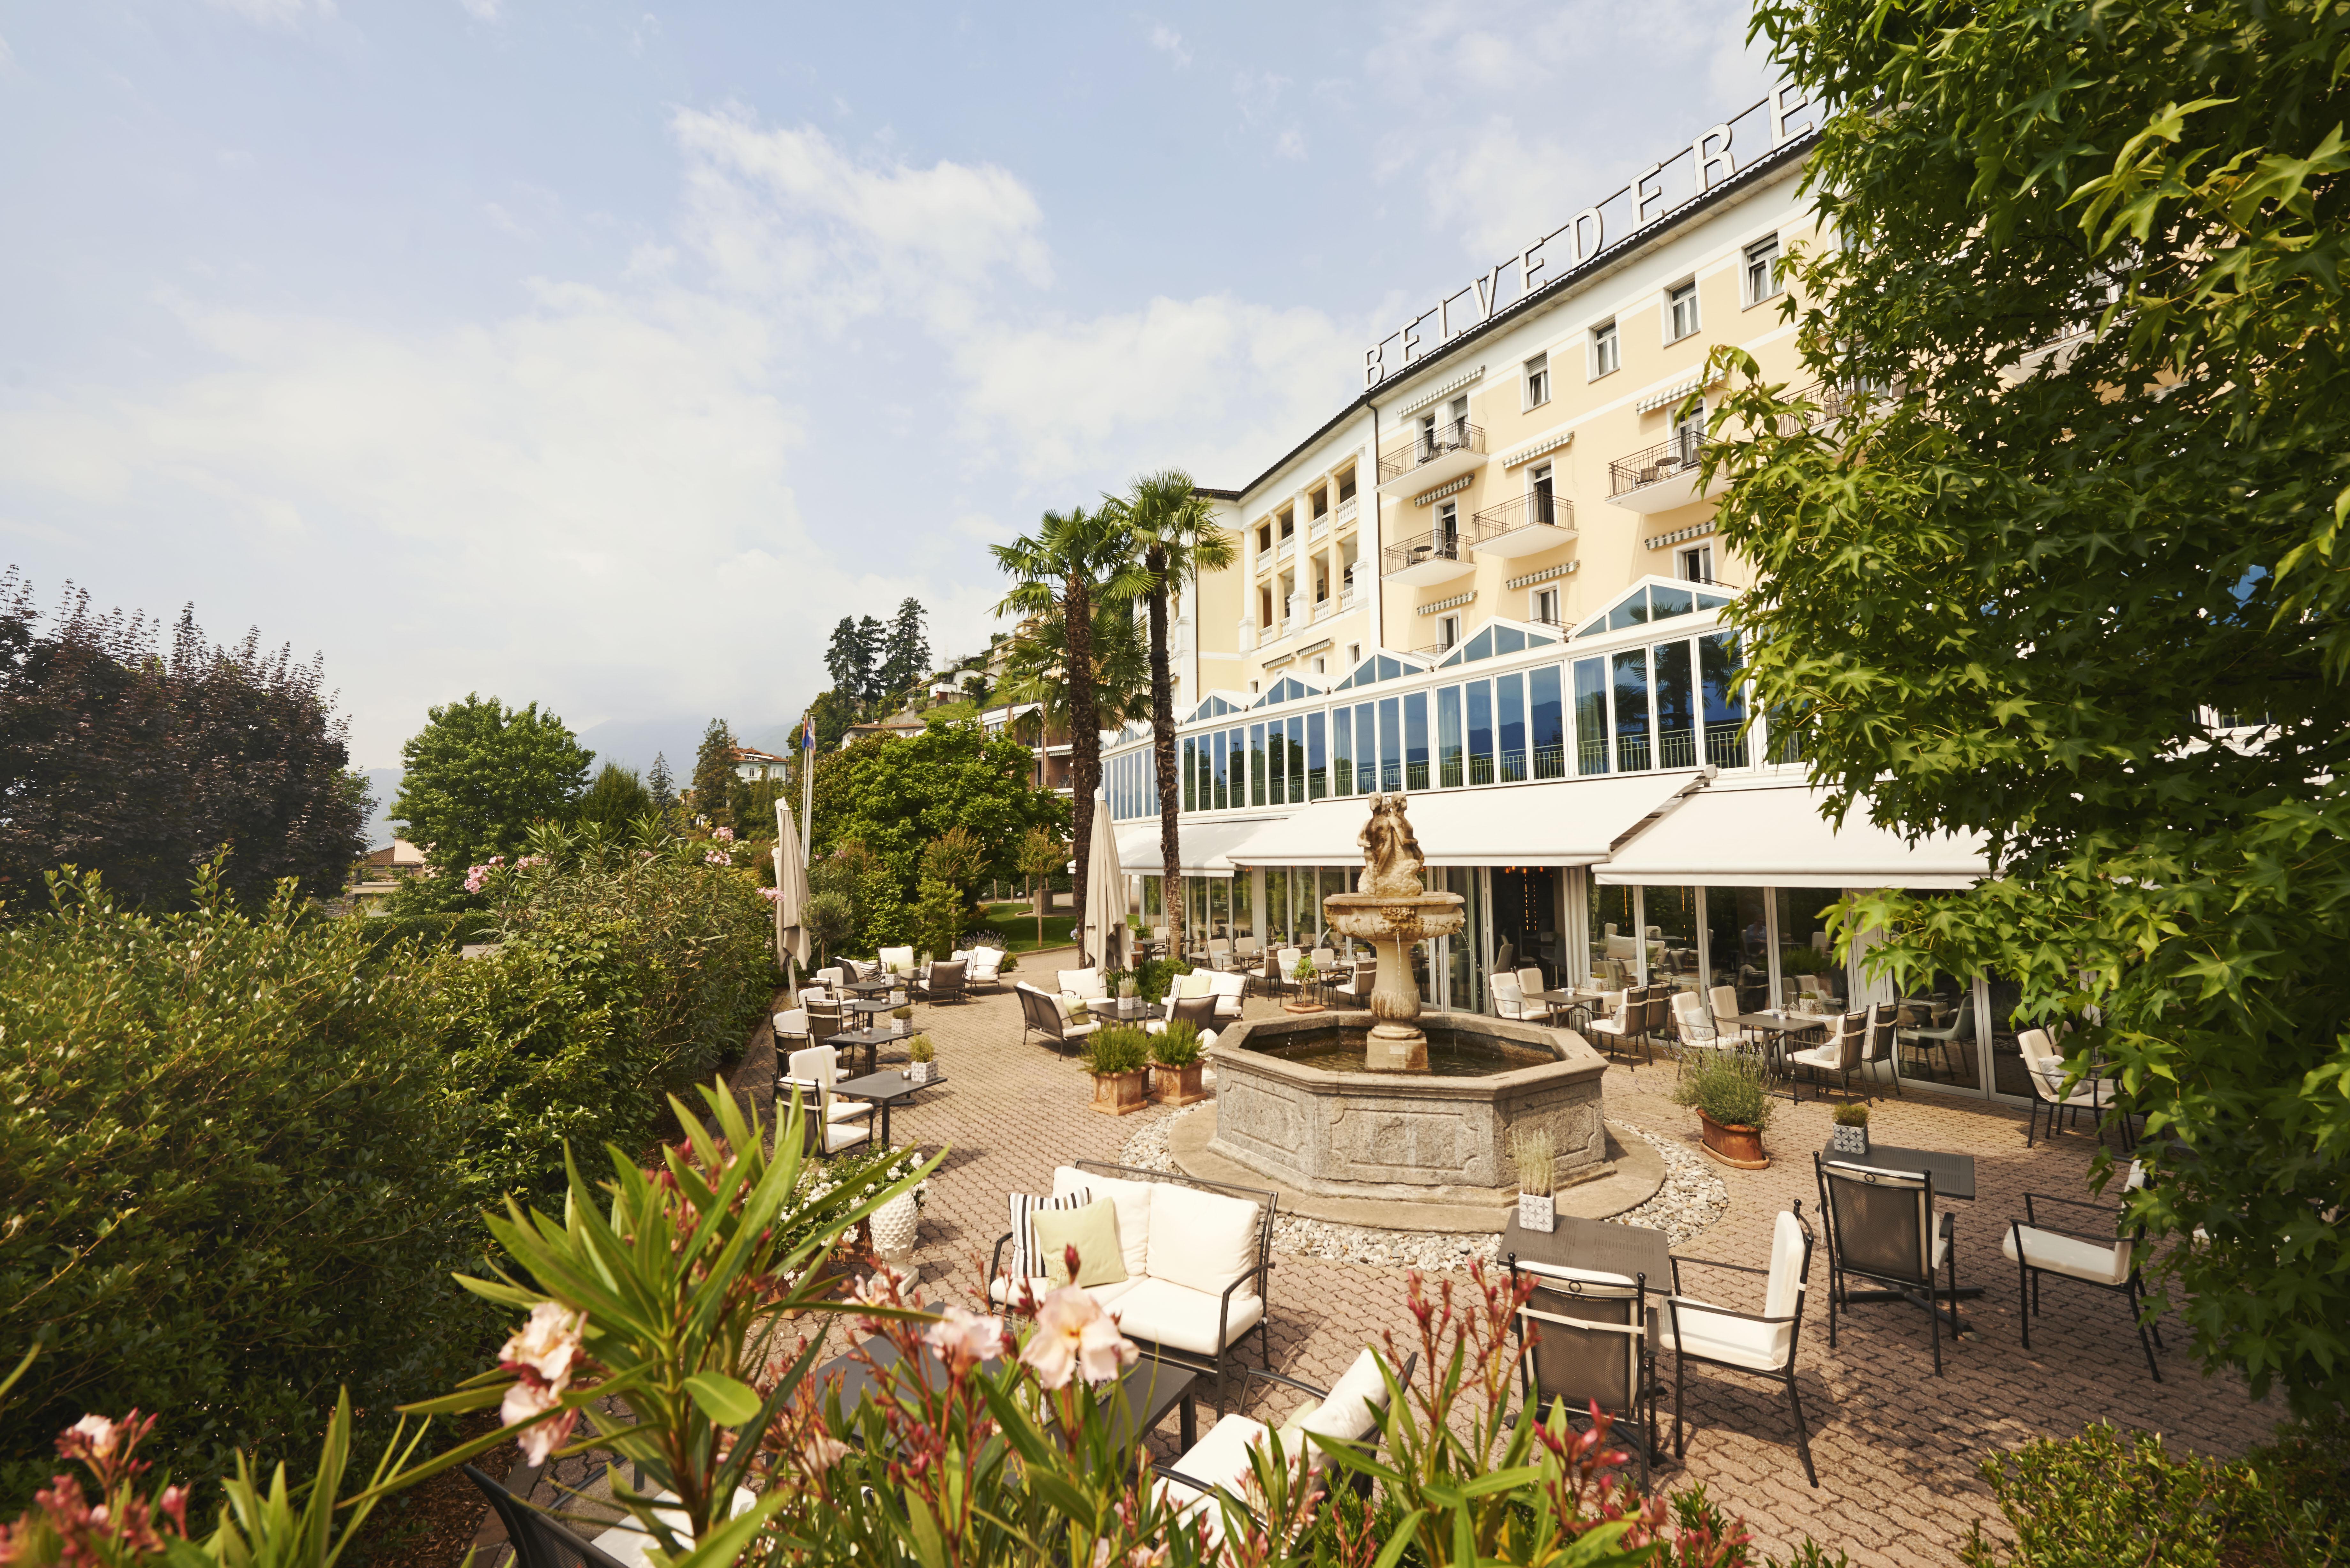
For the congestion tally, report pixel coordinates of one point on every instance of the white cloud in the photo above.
(277, 12)
(1170, 42)
(485, 10)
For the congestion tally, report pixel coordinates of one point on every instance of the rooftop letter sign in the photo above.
(1654, 195)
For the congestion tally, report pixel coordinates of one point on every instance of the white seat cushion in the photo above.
(1218, 1459)
(1083, 983)
(1184, 1319)
(999, 1290)
(1202, 1240)
(1354, 1405)
(1133, 1201)
(838, 1136)
(627, 1544)
(1709, 1334)
(1826, 1056)
(2069, 1255)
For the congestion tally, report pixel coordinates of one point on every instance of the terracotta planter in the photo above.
(1303, 1007)
(1122, 1094)
(1177, 1085)
(1741, 1148)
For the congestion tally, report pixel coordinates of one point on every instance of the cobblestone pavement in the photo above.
(1897, 1448)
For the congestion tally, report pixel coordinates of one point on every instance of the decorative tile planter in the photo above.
(1537, 1213)
(1122, 1094)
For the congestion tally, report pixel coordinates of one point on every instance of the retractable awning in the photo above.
(1206, 846)
(1774, 836)
(1571, 822)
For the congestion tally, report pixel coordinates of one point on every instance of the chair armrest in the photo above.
(1258, 1374)
(1695, 1305)
(995, 1259)
(1224, 1303)
(1710, 1263)
(2101, 1239)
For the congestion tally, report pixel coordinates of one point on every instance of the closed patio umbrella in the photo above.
(791, 890)
(1104, 938)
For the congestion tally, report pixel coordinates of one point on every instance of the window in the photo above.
(1288, 521)
(1762, 271)
(1354, 654)
(1321, 666)
(1538, 380)
(1265, 607)
(1447, 530)
(1545, 607)
(1607, 350)
(1448, 629)
(1542, 512)
(1264, 538)
(1346, 486)
(1680, 305)
(1697, 565)
(1321, 505)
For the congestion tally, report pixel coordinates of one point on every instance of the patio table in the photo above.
(1601, 1248)
(869, 987)
(1571, 1001)
(886, 1089)
(869, 1040)
(1124, 1009)
(1152, 1388)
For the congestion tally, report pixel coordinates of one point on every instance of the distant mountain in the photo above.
(634, 743)
(383, 784)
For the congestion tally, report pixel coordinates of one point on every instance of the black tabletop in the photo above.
(1597, 1246)
(891, 1085)
(863, 986)
(871, 1005)
(1125, 1007)
(1953, 1174)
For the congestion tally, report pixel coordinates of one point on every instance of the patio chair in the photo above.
(1840, 1055)
(985, 968)
(829, 1123)
(1510, 1001)
(833, 977)
(1531, 980)
(1354, 991)
(2105, 1260)
(1083, 984)
(538, 1540)
(898, 960)
(1218, 1467)
(1628, 1021)
(1878, 1045)
(792, 1025)
(1044, 1012)
(1723, 1002)
(2045, 1072)
(1583, 1340)
(1883, 1229)
(824, 1020)
(1763, 1343)
(945, 983)
(1199, 1012)
(1920, 1039)
(1691, 1024)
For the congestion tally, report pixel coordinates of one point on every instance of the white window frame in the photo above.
(1673, 291)
(1534, 597)
(1448, 629)
(1758, 251)
(1536, 380)
(1606, 349)
(1705, 550)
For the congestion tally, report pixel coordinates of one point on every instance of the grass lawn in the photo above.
(1019, 925)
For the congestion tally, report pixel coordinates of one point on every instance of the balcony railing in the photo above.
(1438, 544)
(1425, 446)
(1536, 509)
(1655, 464)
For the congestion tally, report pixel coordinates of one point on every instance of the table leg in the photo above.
(1187, 1422)
(884, 1124)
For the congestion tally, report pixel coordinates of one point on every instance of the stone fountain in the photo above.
(1377, 1117)
(1390, 909)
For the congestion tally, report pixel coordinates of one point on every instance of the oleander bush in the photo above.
(225, 1184)
(438, 932)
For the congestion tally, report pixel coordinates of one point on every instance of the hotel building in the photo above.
(1493, 582)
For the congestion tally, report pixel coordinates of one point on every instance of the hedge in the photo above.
(440, 932)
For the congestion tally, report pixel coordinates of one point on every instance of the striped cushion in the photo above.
(1025, 1262)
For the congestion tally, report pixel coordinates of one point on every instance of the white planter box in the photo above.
(917, 1072)
(1537, 1213)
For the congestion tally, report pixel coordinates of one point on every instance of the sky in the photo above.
(604, 356)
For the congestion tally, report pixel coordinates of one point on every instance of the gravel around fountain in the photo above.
(1692, 1198)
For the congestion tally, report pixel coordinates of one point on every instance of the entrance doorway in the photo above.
(1525, 923)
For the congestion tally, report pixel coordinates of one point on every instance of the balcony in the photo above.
(1524, 527)
(1345, 515)
(1426, 458)
(1661, 477)
(1437, 557)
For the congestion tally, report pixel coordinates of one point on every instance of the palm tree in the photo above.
(1076, 563)
(1175, 535)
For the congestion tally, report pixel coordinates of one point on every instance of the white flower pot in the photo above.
(1536, 1213)
(895, 1226)
(917, 1072)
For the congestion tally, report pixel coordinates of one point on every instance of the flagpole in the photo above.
(807, 790)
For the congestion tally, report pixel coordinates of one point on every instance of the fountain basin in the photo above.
(1291, 1104)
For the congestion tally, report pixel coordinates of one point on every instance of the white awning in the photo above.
(1571, 822)
(1206, 846)
(1775, 838)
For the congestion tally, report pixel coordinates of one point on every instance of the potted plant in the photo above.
(1118, 1057)
(1535, 1154)
(1175, 1065)
(904, 1015)
(918, 1055)
(1850, 1134)
(1728, 1090)
(1304, 975)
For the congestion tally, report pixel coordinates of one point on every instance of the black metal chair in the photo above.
(1585, 1339)
(538, 1541)
(2107, 1261)
(1748, 1342)
(1040, 1014)
(1882, 1228)
(944, 982)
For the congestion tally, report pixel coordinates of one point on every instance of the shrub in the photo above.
(229, 1176)
(444, 933)
(2106, 1497)
(1851, 1113)
(1728, 1085)
(1154, 976)
(1176, 1046)
(1115, 1048)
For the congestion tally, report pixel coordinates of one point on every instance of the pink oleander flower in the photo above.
(476, 876)
(718, 857)
(884, 1287)
(725, 836)
(966, 1337)
(527, 1398)
(530, 860)
(820, 1450)
(773, 895)
(1072, 1333)
(93, 1436)
(548, 1344)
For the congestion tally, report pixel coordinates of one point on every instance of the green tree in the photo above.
(905, 652)
(872, 639)
(1176, 535)
(479, 775)
(2064, 504)
(714, 776)
(1042, 853)
(1076, 563)
(849, 661)
(615, 799)
(894, 794)
(659, 784)
(834, 711)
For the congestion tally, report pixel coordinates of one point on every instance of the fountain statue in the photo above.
(1391, 908)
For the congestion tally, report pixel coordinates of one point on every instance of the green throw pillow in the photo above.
(1093, 1231)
